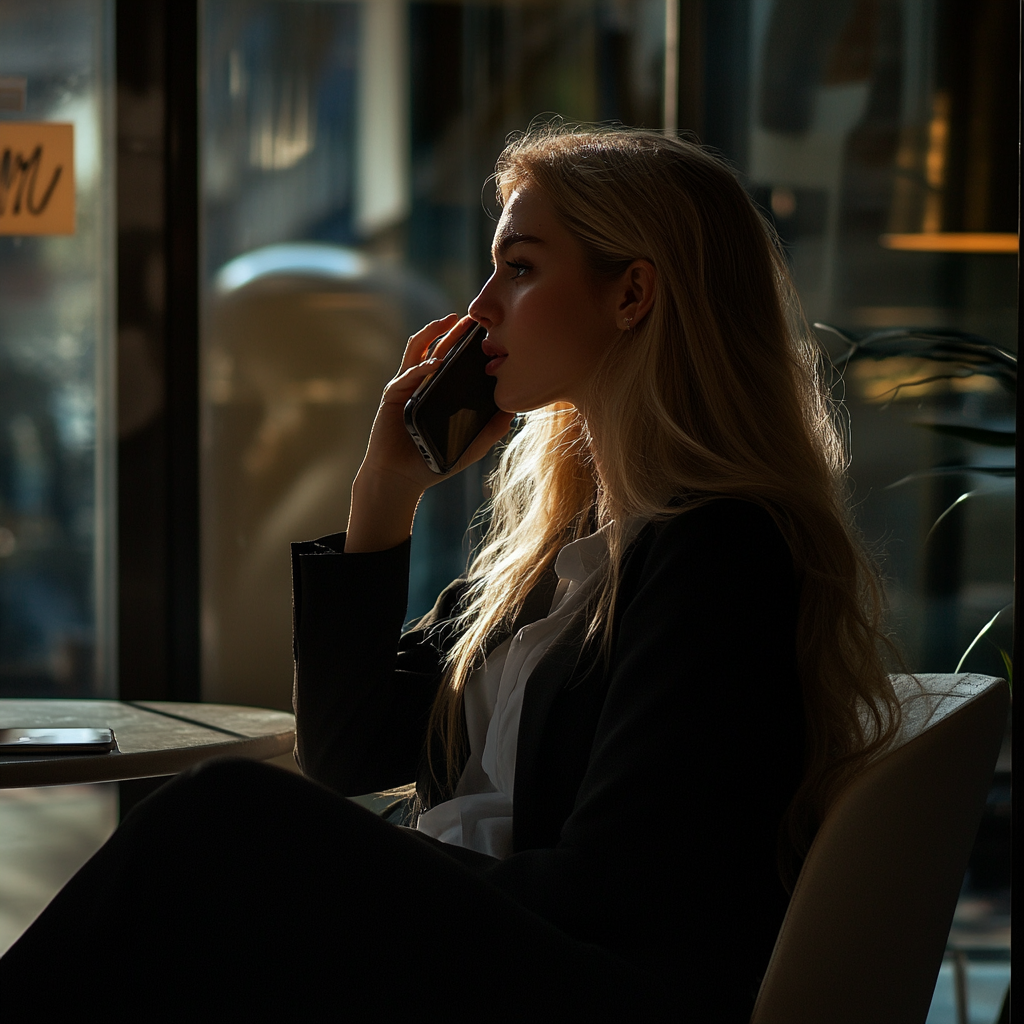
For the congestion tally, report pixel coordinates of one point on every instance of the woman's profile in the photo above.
(625, 721)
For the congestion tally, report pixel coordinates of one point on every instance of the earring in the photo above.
(629, 322)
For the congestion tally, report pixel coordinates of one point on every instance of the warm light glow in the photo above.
(909, 379)
(935, 162)
(952, 241)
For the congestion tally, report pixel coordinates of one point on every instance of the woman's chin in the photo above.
(519, 400)
(509, 399)
(518, 408)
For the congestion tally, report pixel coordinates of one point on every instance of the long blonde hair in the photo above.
(717, 391)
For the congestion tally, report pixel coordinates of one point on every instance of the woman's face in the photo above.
(548, 319)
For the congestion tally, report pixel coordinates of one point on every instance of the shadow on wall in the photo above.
(300, 340)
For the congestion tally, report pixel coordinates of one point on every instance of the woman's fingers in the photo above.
(401, 388)
(414, 370)
(416, 347)
(454, 336)
(390, 448)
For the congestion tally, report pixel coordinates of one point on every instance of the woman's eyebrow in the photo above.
(509, 238)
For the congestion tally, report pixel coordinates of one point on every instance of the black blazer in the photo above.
(649, 787)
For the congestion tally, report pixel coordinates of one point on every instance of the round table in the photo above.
(153, 738)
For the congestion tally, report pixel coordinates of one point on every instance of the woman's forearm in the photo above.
(381, 512)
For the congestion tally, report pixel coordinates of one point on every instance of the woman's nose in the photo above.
(484, 309)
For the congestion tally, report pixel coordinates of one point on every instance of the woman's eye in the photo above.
(518, 268)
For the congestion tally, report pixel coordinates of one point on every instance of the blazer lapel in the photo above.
(536, 606)
(548, 679)
(569, 661)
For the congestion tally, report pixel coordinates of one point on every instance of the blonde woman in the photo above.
(624, 723)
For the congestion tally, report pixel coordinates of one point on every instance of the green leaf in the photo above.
(944, 345)
(963, 497)
(984, 629)
(927, 474)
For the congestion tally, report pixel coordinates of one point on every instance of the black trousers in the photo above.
(243, 892)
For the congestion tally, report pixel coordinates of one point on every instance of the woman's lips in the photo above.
(498, 355)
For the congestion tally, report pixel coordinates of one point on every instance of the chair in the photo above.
(864, 935)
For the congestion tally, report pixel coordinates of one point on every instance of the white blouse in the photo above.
(479, 815)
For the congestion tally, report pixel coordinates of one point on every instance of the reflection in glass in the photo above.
(870, 120)
(368, 130)
(300, 341)
(56, 357)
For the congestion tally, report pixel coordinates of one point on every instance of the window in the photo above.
(57, 523)
(344, 149)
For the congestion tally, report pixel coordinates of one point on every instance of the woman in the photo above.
(626, 721)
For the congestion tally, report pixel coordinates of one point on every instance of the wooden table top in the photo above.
(153, 738)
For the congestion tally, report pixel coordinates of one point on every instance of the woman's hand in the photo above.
(393, 475)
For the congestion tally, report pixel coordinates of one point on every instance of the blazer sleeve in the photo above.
(670, 849)
(363, 689)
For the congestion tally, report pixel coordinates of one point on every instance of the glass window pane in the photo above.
(56, 359)
(344, 150)
(369, 129)
(881, 140)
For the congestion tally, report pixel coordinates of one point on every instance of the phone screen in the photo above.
(47, 740)
(448, 411)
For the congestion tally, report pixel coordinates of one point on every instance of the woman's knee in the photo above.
(229, 772)
(209, 796)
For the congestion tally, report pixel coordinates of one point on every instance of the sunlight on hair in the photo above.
(719, 391)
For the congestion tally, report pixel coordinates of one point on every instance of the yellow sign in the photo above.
(37, 178)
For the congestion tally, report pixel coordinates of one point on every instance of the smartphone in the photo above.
(450, 408)
(56, 741)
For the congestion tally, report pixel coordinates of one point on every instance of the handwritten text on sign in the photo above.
(37, 178)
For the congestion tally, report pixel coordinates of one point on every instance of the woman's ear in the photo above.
(635, 293)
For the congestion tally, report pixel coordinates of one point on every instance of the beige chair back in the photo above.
(866, 928)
